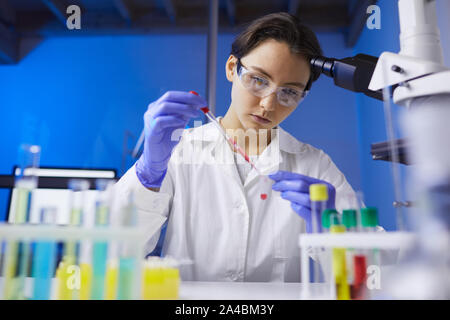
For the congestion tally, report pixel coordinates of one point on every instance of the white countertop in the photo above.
(198, 290)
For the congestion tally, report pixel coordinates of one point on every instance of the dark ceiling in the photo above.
(46, 18)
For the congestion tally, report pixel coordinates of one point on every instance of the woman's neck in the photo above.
(251, 140)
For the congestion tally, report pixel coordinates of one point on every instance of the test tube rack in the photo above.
(356, 240)
(134, 237)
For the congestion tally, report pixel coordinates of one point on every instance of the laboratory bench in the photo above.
(203, 290)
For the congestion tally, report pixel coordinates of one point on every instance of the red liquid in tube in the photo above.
(357, 290)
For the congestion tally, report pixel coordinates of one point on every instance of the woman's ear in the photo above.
(230, 67)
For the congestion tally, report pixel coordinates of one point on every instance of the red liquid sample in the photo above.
(204, 109)
(358, 289)
(263, 196)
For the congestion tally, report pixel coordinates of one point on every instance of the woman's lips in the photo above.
(260, 119)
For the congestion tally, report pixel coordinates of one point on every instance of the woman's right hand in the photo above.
(170, 112)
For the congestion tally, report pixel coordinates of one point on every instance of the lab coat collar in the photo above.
(268, 162)
(209, 133)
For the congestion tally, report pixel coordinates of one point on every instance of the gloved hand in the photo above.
(170, 112)
(295, 188)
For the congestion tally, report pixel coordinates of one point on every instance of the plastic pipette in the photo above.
(214, 120)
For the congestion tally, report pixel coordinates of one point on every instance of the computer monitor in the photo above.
(58, 197)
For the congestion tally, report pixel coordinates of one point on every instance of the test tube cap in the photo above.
(102, 184)
(349, 218)
(318, 192)
(369, 217)
(326, 217)
(78, 184)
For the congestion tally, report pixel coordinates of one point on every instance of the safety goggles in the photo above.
(262, 87)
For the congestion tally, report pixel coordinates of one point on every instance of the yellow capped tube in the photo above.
(339, 268)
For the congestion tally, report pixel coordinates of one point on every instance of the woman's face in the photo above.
(272, 60)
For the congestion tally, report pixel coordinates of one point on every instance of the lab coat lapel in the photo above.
(223, 155)
(218, 150)
(272, 157)
(269, 161)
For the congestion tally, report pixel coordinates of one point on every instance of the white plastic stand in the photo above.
(379, 240)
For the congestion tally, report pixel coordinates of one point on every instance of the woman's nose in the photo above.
(269, 102)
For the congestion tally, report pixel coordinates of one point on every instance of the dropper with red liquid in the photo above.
(214, 120)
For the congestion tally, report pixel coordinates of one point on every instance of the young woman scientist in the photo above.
(216, 218)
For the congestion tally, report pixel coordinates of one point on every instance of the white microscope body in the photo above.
(422, 84)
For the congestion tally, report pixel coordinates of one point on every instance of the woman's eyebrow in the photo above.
(297, 84)
(262, 71)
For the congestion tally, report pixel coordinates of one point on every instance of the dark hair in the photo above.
(280, 26)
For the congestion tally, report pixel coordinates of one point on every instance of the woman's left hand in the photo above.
(295, 188)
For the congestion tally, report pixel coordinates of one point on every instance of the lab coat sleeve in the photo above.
(152, 207)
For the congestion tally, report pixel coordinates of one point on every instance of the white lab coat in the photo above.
(222, 226)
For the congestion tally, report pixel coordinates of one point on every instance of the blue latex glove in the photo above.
(170, 112)
(295, 188)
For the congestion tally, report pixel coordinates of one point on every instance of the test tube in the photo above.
(100, 249)
(325, 263)
(78, 188)
(112, 264)
(26, 181)
(318, 194)
(44, 259)
(17, 253)
(369, 221)
(355, 258)
(66, 290)
(349, 221)
(111, 274)
(327, 216)
(358, 288)
(339, 264)
(127, 261)
(85, 255)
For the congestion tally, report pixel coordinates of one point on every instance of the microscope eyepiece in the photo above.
(320, 64)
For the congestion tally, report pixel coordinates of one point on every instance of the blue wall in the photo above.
(76, 96)
(376, 176)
